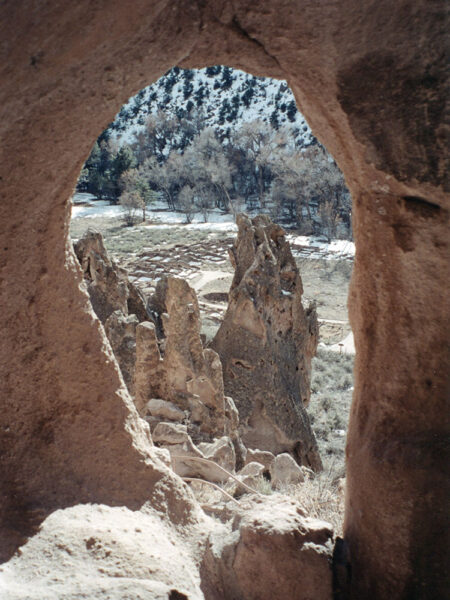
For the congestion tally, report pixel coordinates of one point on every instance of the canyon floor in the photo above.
(198, 252)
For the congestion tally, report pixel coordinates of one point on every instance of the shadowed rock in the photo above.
(121, 332)
(107, 283)
(115, 300)
(271, 547)
(266, 343)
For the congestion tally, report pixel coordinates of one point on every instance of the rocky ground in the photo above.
(268, 521)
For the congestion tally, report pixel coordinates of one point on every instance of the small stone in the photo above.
(263, 457)
(164, 410)
(285, 471)
(170, 433)
(220, 451)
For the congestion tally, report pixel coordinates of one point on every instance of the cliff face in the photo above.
(266, 343)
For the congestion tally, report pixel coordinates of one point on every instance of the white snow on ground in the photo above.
(345, 346)
(333, 249)
(86, 206)
(160, 217)
(82, 197)
(107, 210)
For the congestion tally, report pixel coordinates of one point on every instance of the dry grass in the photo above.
(331, 396)
(321, 497)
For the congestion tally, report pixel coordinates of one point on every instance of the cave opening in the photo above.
(163, 185)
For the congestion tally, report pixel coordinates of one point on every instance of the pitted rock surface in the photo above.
(266, 343)
(121, 332)
(173, 365)
(107, 283)
(116, 301)
(69, 432)
(268, 553)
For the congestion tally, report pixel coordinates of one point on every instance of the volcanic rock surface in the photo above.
(107, 283)
(266, 343)
(69, 432)
(271, 545)
(173, 365)
(116, 301)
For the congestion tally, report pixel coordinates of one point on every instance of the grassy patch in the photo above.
(331, 396)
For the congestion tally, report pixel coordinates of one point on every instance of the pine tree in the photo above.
(291, 111)
(227, 78)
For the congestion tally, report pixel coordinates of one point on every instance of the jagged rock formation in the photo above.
(107, 283)
(173, 365)
(221, 451)
(121, 332)
(115, 300)
(176, 378)
(266, 343)
(97, 551)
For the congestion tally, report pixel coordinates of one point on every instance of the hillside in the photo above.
(219, 138)
(224, 98)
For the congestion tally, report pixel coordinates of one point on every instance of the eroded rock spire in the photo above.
(266, 343)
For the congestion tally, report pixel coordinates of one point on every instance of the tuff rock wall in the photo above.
(266, 342)
(370, 78)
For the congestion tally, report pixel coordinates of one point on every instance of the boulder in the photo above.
(263, 457)
(164, 410)
(186, 459)
(221, 451)
(266, 342)
(102, 552)
(250, 475)
(273, 551)
(170, 433)
(285, 471)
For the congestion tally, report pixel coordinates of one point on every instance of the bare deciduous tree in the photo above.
(186, 203)
(132, 203)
